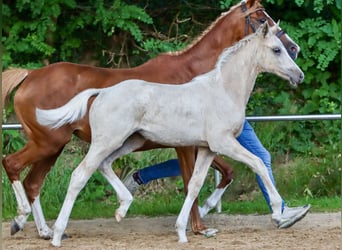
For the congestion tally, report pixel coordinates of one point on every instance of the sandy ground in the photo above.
(315, 231)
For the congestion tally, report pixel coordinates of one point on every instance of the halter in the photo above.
(249, 21)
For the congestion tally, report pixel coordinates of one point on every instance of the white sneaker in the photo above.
(131, 184)
(291, 215)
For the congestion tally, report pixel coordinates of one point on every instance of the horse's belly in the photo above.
(169, 137)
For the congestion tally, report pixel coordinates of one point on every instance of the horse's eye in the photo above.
(277, 50)
(263, 20)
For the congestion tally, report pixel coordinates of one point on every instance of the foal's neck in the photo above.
(239, 75)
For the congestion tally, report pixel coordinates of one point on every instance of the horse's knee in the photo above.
(12, 168)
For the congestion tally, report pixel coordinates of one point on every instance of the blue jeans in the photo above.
(248, 139)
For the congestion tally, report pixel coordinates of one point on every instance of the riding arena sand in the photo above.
(315, 231)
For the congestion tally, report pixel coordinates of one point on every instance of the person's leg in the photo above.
(143, 176)
(168, 168)
(251, 142)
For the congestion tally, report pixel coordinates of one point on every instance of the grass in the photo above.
(161, 206)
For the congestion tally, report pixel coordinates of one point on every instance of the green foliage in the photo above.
(156, 46)
(122, 16)
(41, 31)
(225, 4)
(12, 141)
(311, 178)
(318, 32)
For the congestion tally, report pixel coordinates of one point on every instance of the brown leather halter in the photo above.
(253, 25)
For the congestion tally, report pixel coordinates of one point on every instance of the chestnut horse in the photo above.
(213, 105)
(55, 84)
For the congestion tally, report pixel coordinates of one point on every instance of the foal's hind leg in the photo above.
(227, 178)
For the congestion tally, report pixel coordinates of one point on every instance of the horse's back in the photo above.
(55, 84)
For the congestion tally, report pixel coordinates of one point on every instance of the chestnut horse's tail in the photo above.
(10, 79)
(73, 111)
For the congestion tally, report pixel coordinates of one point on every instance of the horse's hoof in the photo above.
(118, 217)
(209, 232)
(46, 237)
(65, 236)
(14, 227)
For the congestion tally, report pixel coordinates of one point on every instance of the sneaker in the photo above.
(291, 215)
(130, 183)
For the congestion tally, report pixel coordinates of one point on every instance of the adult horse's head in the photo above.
(250, 14)
(274, 57)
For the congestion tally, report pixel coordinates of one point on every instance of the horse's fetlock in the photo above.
(210, 204)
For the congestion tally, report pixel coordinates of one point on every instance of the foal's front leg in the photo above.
(233, 149)
(203, 161)
(125, 197)
(186, 158)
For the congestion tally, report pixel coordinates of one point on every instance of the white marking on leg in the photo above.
(79, 178)
(212, 201)
(124, 196)
(203, 161)
(43, 230)
(24, 208)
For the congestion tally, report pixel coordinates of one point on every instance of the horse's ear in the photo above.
(264, 29)
(250, 3)
(275, 27)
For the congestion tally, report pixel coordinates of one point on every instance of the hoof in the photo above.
(54, 244)
(65, 236)
(183, 240)
(14, 227)
(209, 232)
(118, 217)
(46, 237)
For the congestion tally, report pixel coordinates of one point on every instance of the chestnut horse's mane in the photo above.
(212, 25)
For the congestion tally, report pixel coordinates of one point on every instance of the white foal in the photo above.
(207, 112)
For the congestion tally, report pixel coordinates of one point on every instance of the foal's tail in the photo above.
(10, 79)
(73, 111)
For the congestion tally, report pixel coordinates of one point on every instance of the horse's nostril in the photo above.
(293, 48)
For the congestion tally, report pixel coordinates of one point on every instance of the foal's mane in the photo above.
(230, 51)
(212, 25)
